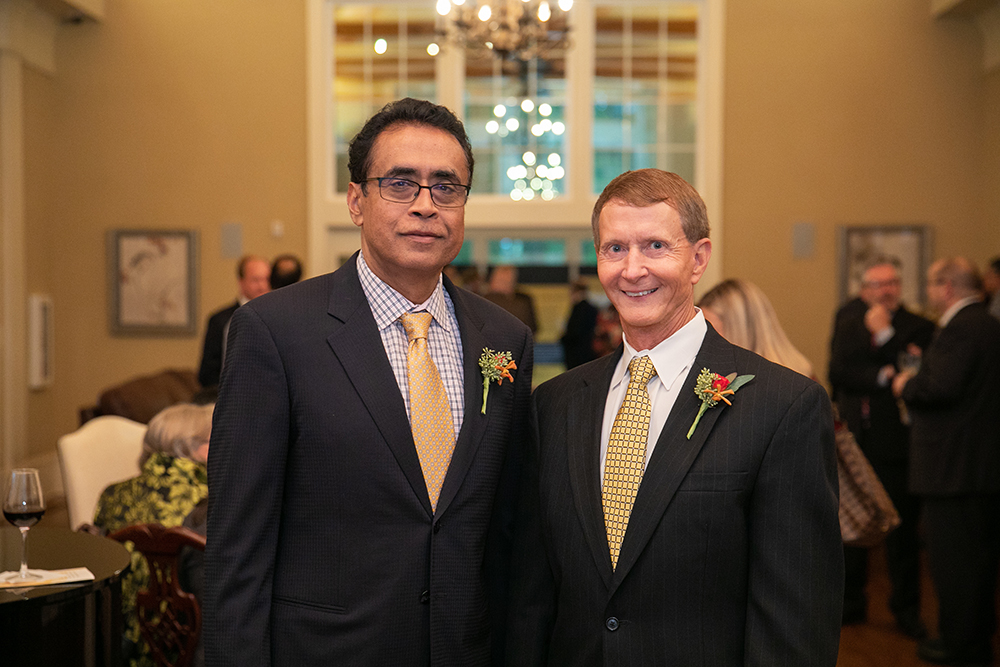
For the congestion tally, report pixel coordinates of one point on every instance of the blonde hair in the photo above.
(749, 321)
(178, 431)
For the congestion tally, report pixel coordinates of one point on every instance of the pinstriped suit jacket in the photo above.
(322, 546)
(733, 552)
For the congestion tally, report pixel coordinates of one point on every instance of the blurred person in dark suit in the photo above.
(955, 462)
(991, 286)
(864, 357)
(285, 270)
(503, 292)
(253, 274)
(578, 339)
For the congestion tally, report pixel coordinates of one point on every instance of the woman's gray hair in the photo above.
(178, 431)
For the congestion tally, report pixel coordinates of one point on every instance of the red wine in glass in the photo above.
(23, 506)
(23, 519)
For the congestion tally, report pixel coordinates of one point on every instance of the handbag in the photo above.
(867, 514)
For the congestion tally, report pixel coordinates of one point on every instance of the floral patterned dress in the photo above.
(165, 492)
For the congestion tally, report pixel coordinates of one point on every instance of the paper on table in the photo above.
(49, 577)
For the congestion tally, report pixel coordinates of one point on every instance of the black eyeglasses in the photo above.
(404, 191)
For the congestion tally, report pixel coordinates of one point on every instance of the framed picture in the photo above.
(909, 244)
(152, 281)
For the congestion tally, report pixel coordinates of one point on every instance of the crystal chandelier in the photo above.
(510, 29)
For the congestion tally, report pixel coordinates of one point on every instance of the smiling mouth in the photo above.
(638, 294)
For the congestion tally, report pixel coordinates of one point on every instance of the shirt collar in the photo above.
(955, 307)
(671, 356)
(387, 304)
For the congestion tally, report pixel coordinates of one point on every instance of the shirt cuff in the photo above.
(884, 336)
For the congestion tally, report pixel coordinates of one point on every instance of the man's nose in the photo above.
(424, 203)
(635, 266)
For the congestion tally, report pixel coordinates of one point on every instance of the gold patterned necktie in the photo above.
(626, 458)
(430, 415)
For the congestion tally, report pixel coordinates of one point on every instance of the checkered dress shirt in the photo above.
(443, 337)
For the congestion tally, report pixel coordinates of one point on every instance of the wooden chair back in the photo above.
(169, 616)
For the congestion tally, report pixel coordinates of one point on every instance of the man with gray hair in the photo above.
(871, 334)
(955, 462)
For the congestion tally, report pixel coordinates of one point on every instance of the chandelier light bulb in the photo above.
(492, 127)
(564, 5)
(459, 3)
(381, 46)
(554, 159)
(544, 11)
(529, 158)
(529, 195)
(499, 111)
(443, 7)
(527, 106)
(546, 125)
(558, 128)
(512, 124)
(433, 49)
(520, 184)
(537, 130)
(545, 109)
(547, 194)
(484, 13)
(515, 194)
(541, 170)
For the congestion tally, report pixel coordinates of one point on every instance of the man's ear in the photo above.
(354, 196)
(702, 253)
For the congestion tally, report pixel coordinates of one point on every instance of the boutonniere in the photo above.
(712, 388)
(495, 367)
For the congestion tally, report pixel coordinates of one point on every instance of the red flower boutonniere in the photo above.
(495, 367)
(712, 388)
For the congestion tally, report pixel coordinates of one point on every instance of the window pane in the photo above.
(645, 86)
(380, 55)
(548, 252)
(515, 117)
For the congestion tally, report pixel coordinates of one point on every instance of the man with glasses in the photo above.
(366, 435)
(872, 340)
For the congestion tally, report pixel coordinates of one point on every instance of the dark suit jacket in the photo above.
(732, 554)
(955, 404)
(871, 411)
(322, 548)
(211, 352)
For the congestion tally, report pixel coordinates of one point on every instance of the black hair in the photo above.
(283, 278)
(404, 111)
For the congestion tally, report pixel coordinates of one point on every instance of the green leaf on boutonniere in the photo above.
(495, 367)
(712, 389)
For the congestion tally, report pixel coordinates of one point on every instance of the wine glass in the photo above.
(23, 506)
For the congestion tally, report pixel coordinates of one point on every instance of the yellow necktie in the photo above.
(430, 415)
(626, 457)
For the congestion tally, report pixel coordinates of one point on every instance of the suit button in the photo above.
(611, 624)
(437, 527)
(425, 597)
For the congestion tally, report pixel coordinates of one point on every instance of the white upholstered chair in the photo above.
(103, 451)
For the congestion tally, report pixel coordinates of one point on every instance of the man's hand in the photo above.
(878, 318)
(900, 381)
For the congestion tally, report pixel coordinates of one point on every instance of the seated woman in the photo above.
(173, 479)
(743, 315)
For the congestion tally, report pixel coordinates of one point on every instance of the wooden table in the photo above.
(69, 624)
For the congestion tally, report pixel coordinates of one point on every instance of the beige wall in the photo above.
(188, 114)
(178, 115)
(847, 113)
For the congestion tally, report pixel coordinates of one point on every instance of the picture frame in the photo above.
(910, 244)
(152, 282)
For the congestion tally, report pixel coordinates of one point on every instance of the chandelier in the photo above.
(510, 29)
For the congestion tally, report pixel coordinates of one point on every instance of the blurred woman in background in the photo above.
(743, 315)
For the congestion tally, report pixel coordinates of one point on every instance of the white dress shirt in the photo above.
(672, 359)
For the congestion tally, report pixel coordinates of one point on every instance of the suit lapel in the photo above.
(358, 345)
(474, 423)
(584, 420)
(674, 453)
